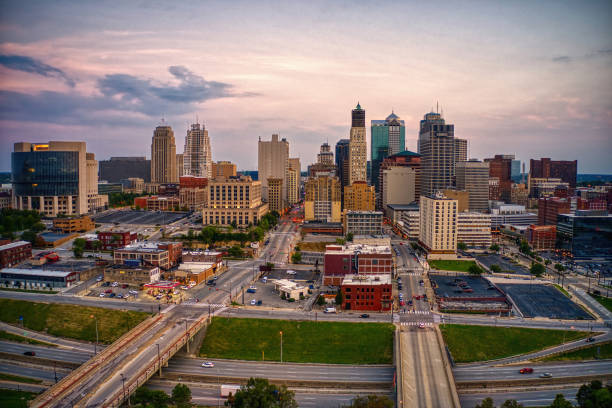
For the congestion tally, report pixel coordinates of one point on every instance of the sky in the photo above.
(528, 78)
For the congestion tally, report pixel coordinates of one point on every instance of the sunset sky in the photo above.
(531, 78)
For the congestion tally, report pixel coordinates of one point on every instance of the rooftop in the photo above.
(353, 248)
(38, 272)
(366, 280)
(404, 207)
(13, 245)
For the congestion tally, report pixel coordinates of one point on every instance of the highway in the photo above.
(32, 371)
(538, 398)
(66, 343)
(51, 353)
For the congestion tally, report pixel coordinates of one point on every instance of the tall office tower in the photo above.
(325, 156)
(275, 195)
(342, 161)
(294, 163)
(461, 150)
(473, 177)
(437, 150)
(400, 179)
(117, 168)
(55, 178)
(388, 137)
(180, 165)
(273, 161)
(358, 147)
(515, 171)
(359, 197)
(293, 180)
(562, 169)
(197, 159)
(438, 225)
(500, 168)
(163, 155)
(223, 169)
(322, 199)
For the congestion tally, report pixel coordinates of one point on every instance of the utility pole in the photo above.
(281, 335)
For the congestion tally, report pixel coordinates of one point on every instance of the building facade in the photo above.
(322, 199)
(325, 155)
(273, 161)
(438, 225)
(473, 177)
(116, 239)
(541, 237)
(367, 293)
(275, 195)
(197, 159)
(14, 253)
(388, 137)
(223, 168)
(550, 208)
(163, 254)
(193, 192)
(157, 203)
(437, 149)
(363, 222)
(163, 155)
(462, 197)
(236, 199)
(293, 185)
(355, 259)
(358, 147)
(117, 168)
(67, 225)
(500, 168)
(342, 161)
(474, 229)
(461, 150)
(587, 234)
(400, 178)
(180, 165)
(359, 197)
(562, 169)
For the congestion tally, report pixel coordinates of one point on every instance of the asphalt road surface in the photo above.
(539, 398)
(51, 353)
(43, 373)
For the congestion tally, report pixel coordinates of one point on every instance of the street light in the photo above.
(281, 334)
(123, 380)
(96, 344)
(158, 359)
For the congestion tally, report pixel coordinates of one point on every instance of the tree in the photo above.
(320, 301)
(547, 262)
(371, 401)
(234, 225)
(349, 237)
(559, 267)
(181, 395)
(235, 251)
(494, 248)
(524, 247)
(511, 404)
(339, 298)
(486, 403)
(537, 269)
(29, 236)
(560, 402)
(594, 395)
(474, 269)
(78, 247)
(461, 246)
(145, 396)
(296, 257)
(495, 268)
(258, 392)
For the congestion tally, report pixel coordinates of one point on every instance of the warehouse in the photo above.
(37, 278)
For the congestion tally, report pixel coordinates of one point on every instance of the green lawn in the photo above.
(587, 353)
(447, 265)
(21, 339)
(18, 378)
(562, 290)
(606, 302)
(303, 341)
(29, 290)
(70, 321)
(15, 399)
(480, 343)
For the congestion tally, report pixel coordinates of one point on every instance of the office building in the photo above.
(511, 214)
(519, 194)
(197, 159)
(461, 150)
(293, 186)
(437, 149)
(462, 197)
(473, 177)
(550, 208)
(117, 168)
(135, 275)
(294, 163)
(388, 137)
(410, 224)
(342, 161)
(359, 197)
(322, 199)
(180, 165)
(474, 229)
(67, 225)
(541, 237)
(363, 222)
(193, 193)
(132, 185)
(548, 187)
(325, 163)
(273, 161)
(234, 200)
(14, 253)
(163, 155)
(400, 179)
(438, 226)
(163, 254)
(358, 147)
(515, 172)
(367, 293)
(325, 156)
(500, 168)
(546, 168)
(55, 178)
(587, 234)
(223, 169)
(158, 203)
(275, 195)
(356, 259)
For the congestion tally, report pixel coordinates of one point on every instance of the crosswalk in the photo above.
(426, 324)
(410, 274)
(206, 305)
(421, 312)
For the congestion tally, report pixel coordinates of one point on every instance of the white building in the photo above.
(273, 162)
(474, 229)
(438, 226)
(410, 224)
(197, 159)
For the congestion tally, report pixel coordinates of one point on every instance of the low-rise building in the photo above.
(163, 254)
(132, 274)
(289, 289)
(15, 253)
(541, 237)
(38, 278)
(510, 214)
(363, 222)
(587, 234)
(193, 192)
(157, 203)
(367, 292)
(341, 260)
(410, 224)
(196, 272)
(202, 256)
(73, 224)
(116, 239)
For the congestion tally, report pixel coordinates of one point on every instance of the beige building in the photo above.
(193, 198)
(474, 229)
(293, 186)
(133, 185)
(359, 197)
(275, 195)
(223, 169)
(197, 155)
(461, 150)
(462, 197)
(236, 199)
(399, 185)
(473, 177)
(272, 162)
(438, 226)
(357, 147)
(180, 165)
(56, 178)
(294, 163)
(163, 155)
(322, 199)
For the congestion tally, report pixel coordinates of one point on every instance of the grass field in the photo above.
(15, 399)
(18, 378)
(29, 290)
(605, 302)
(20, 339)
(587, 353)
(303, 341)
(313, 246)
(448, 265)
(562, 290)
(70, 321)
(480, 343)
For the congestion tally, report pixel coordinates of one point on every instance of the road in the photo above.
(43, 373)
(50, 353)
(537, 398)
(65, 343)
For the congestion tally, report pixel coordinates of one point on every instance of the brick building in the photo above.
(166, 255)
(500, 167)
(14, 253)
(546, 168)
(341, 260)
(157, 203)
(549, 208)
(118, 239)
(367, 292)
(541, 237)
(132, 275)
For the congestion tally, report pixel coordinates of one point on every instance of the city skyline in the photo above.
(531, 74)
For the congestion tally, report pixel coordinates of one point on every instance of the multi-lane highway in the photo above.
(49, 353)
(536, 398)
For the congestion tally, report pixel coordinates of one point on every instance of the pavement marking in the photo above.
(427, 324)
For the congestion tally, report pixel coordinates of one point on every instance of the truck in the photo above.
(226, 389)
(329, 310)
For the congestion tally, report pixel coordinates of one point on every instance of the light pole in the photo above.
(123, 380)
(281, 334)
(96, 344)
(158, 359)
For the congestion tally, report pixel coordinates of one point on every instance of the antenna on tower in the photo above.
(437, 111)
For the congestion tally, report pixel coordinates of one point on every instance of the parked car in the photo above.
(421, 325)
(120, 296)
(329, 310)
(99, 279)
(252, 289)
(208, 364)
(401, 302)
(526, 370)
(124, 286)
(108, 291)
(400, 287)
(102, 294)
(364, 316)
(253, 302)
(264, 279)
(112, 295)
(29, 353)
(115, 284)
(590, 340)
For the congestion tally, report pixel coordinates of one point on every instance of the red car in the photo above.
(108, 291)
(402, 303)
(526, 370)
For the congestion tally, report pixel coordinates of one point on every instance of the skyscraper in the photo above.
(437, 150)
(342, 161)
(461, 150)
(562, 169)
(197, 159)
(473, 177)
(180, 165)
(163, 155)
(500, 168)
(358, 147)
(388, 137)
(273, 161)
(293, 180)
(325, 156)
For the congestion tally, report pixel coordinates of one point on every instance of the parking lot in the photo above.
(468, 293)
(268, 297)
(116, 292)
(542, 300)
(504, 263)
(141, 217)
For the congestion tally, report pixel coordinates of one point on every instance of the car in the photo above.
(124, 286)
(210, 282)
(590, 340)
(400, 287)
(29, 353)
(410, 302)
(208, 364)
(264, 279)
(120, 296)
(99, 279)
(102, 294)
(115, 284)
(290, 272)
(112, 295)
(421, 325)
(402, 303)
(526, 370)
(253, 302)
(215, 277)
(364, 316)
(108, 291)
(186, 287)
(546, 375)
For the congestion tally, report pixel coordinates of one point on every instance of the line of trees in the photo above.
(180, 398)
(12, 221)
(212, 234)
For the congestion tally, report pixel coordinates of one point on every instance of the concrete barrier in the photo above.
(532, 381)
(447, 367)
(397, 350)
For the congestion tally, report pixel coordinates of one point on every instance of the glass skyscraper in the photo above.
(388, 138)
(587, 234)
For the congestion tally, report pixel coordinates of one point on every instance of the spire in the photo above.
(358, 107)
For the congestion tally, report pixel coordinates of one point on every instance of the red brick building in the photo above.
(355, 259)
(541, 237)
(157, 203)
(15, 253)
(549, 208)
(113, 240)
(192, 182)
(367, 292)
(500, 167)
(546, 168)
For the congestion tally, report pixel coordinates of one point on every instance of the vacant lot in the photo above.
(443, 265)
(481, 343)
(314, 246)
(599, 351)
(303, 342)
(70, 321)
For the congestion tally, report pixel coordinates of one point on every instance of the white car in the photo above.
(115, 284)
(208, 364)
(99, 279)
(290, 272)
(102, 294)
(253, 302)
